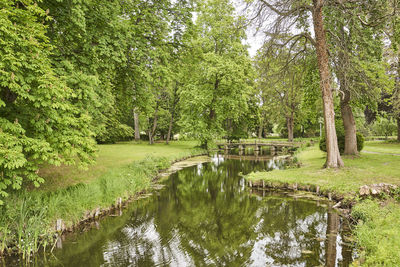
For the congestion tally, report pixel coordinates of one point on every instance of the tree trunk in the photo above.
(260, 130)
(174, 103)
(333, 159)
(398, 129)
(290, 126)
(398, 92)
(171, 122)
(136, 122)
(350, 136)
(349, 123)
(153, 130)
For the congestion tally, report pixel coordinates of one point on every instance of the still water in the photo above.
(205, 216)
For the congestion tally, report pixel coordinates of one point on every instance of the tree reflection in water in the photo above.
(206, 216)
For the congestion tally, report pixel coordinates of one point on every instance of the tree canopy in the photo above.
(78, 73)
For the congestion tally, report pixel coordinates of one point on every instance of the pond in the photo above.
(206, 216)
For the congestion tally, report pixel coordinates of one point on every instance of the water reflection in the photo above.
(205, 216)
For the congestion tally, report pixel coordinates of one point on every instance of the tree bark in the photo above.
(333, 159)
(174, 103)
(398, 129)
(137, 128)
(153, 130)
(290, 126)
(398, 92)
(171, 122)
(260, 130)
(349, 123)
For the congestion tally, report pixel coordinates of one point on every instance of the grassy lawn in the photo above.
(358, 171)
(110, 157)
(382, 147)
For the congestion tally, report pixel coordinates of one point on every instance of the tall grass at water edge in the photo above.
(28, 218)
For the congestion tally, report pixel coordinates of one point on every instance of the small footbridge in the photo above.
(258, 145)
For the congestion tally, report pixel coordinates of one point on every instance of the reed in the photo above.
(28, 218)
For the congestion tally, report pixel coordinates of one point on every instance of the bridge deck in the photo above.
(261, 144)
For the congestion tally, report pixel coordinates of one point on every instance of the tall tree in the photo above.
(218, 74)
(356, 51)
(294, 16)
(393, 34)
(91, 39)
(282, 82)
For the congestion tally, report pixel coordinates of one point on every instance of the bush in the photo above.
(115, 132)
(340, 137)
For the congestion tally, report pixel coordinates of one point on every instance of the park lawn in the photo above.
(366, 169)
(110, 157)
(382, 147)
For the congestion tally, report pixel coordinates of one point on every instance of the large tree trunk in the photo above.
(136, 122)
(350, 136)
(290, 126)
(333, 159)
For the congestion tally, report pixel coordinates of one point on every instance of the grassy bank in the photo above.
(358, 171)
(28, 218)
(378, 229)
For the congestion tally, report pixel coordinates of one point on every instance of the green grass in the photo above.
(28, 217)
(358, 171)
(378, 233)
(109, 158)
(382, 147)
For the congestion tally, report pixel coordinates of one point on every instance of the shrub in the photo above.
(340, 137)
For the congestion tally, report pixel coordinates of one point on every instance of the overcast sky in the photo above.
(254, 40)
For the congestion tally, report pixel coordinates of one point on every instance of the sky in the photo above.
(254, 39)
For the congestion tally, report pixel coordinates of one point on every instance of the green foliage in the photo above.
(384, 126)
(39, 123)
(114, 132)
(341, 141)
(289, 93)
(218, 72)
(91, 44)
